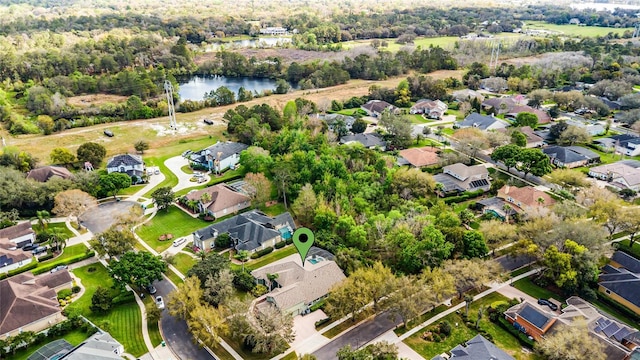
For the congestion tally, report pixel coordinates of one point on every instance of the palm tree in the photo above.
(193, 205)
(272, 278)
(468, 299)
(242, 255)
(43, 219)
(540, 201)
(507, 209)
(59, 238)
(204, 199)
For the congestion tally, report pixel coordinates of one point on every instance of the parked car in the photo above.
(156, 171)
(151, 289)
(187, 153)
(159, 302)
(58, 268)
(551, 305)
(29, 247)
(109, 133)
(179, 242)
(39, 250)
(208, 121)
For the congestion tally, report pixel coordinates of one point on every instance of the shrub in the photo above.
(91, 269)
(75, 289)
(45, 257)
(262, 252)
(259, 290)
(101, 300)
(322, 321)
(319, 305)
(243, 280)
(445, 328)
(436, 338)
(71, 260)
(280, 245)
(64, 293)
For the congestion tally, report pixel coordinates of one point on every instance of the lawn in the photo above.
(221, 353)
(175, 279)
(154, 331)
(123, 322)
(172, 221)
(274, 210)
(526, 285)
(74, 338)
(422, 318)
(245, 354)
(184, 262)
(575, 30)
(338, 329)
(187, 169)
(59, 226)
(269, 258)
(461, 332)
(131, 189)
(68, 252)
(418, 119)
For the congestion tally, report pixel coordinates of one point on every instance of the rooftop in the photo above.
(125, 160)
(420, 157)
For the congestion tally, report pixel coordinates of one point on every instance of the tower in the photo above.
(495, 55)
(168, 88)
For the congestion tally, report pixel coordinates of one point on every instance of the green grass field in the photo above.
(60, 226)
(268, 259)
(575, 30)
(175, 279)
(174, 221)
(462, 333)
(226, 176)
(154, 330)
(123, 322)
(131, 189)
(68, 252)
(527, 286)
(184, 262)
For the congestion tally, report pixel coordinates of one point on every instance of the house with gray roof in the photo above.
(375, 108)
(251, 231)
(218, 157)
(100, 346)
(621, 281)
(297, 287)
(627, 144)
(478, 348)
(570, 156)
(369, 140)
(620, 175)
(129, 164)
(333, 119)
(482, 122)
(459, 177)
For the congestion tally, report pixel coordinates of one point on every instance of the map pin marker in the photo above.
(303, 240)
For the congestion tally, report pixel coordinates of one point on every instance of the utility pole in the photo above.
(495, 54)
(168, 88)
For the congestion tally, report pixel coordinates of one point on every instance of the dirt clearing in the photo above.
(95, 100)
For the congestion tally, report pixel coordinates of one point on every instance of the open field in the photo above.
(445, 42)
(174, 221)
(95, 100)
(162, 141)
(575, 30)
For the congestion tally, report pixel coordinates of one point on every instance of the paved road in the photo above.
(175, 330)
(100, 218)
(511, 263)
(359, 336)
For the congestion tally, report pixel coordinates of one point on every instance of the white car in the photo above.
(159, 302)
(179, 242)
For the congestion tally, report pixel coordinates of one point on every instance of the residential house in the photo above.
(626, 144)
(29, 303)
(525, 199)
(620, 175)
(218, 157)
(12, 257)
(274, 31)
(571, 156)
(368, 140)
(593, 129)
(501, 105)
(219, 200)
(100, 346)
(460, 177)
(251, 231)
(467, 95)
(44, 173)
(613, 105)
(19, 235)
(332, 119)
(620, 281)
(376, 107)
(543, 116)
(433, 109)
(296, 287)
(533, 140)
(419, 157)
(481, 122)
(129, 164)
(478, 348)
(530, 320)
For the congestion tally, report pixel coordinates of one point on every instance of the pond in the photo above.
(250, 43)
(195, 87)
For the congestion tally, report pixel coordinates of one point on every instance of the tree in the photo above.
(185, 297)
(631, 223)
(163, 197)
(607, 212)
(526, 119)
(44, 218)
(518, 138)
(534, 161)
(574, 135)
(223, 241)
(410, 299)
(305, 204)
(138, 268)
(101, 300)
(570, 343)
(114, 182)
(206, 324)
(153, 312)
(377, 351)
(412, 183)
(507, 154)
(131, 218)
(258, 188)
(470, 141)
(474, 245)
(256, 160)
(569, 178)
(242, 256)
(73, 202)
(398, 127)
(141, 146)
(45, 123)
(471, 274)
(211, 265)
(62, 156)
(359, 126)
(218, 289)
(91, 152)
(113, 242)
(57, 238)
(497, 233)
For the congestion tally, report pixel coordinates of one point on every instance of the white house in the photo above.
(218, 157)
(129, 164)
(18, 235)
(433, 109)
(276, 30)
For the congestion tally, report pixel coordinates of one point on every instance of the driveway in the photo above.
(101, 217)
(175, 331)
(359, 336)
(307, 337)
(154, 180)
(174, 165)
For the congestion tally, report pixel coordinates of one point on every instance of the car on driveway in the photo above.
(151, 289)
(179, 242)
(29, 247)
(159, 302)
(551, 305)
(58, 268)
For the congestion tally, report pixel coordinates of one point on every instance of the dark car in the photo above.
(109, 133)
(208, 121)
(30, 247)
(151, 289)
(551, 305)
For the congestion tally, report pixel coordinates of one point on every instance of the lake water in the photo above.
(195, 88)
(261, 42)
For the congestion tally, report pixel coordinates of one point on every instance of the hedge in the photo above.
(262, 252)
(619, 307)
(32, 265)
(464, 197)
(71, 260)
(280, 244)
(522, 337)
(322, 321)
(45, 257)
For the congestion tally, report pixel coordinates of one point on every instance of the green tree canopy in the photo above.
(91, 152)
(139, 268)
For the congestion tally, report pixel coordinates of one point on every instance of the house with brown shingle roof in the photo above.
(44, 173)
(220, 200)
(11, 257)
(418, 157)
(543, 116)
(30, 304)
(296, 287)
(20, 234)
(525, 199)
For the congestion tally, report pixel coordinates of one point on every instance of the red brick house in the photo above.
(530, 320)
